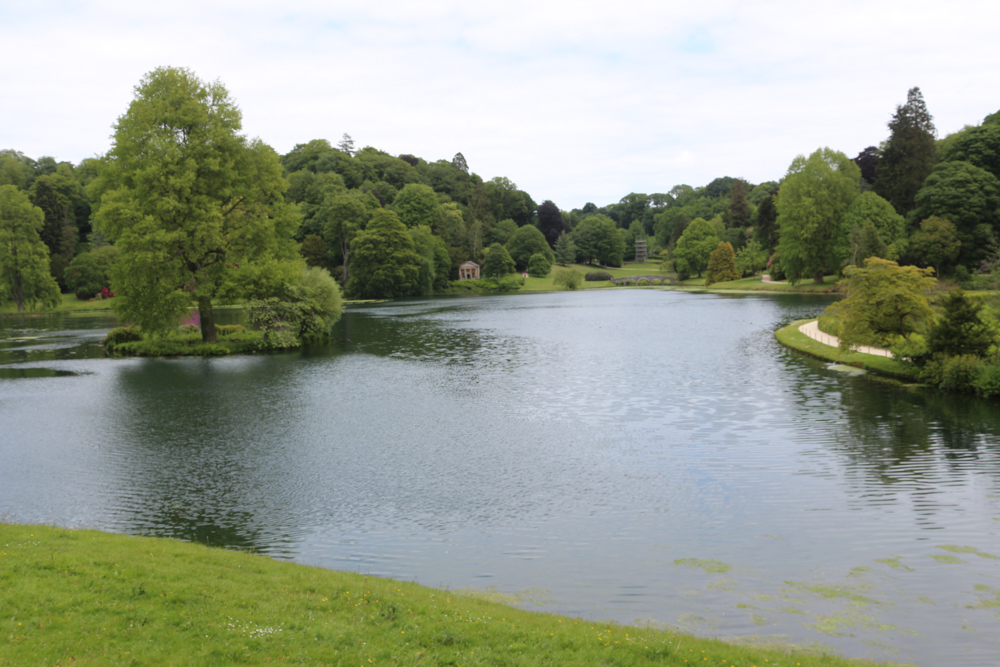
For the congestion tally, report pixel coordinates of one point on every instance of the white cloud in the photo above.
(573, 103)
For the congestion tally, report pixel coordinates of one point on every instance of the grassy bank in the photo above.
(68, 304)
(790, 336)
(85, 597)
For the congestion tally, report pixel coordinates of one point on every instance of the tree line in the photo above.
(185, 209)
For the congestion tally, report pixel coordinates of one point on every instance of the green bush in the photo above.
(120, 336)
(568, 278)
(775, 270)
(229, 329)
(597, 276)
(539, 266)
(958, 373)
(643, 282)
(84, 277)
(988, 381)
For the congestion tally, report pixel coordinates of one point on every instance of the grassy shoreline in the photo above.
(95, 598)
(791, 337)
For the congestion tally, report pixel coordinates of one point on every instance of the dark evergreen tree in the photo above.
(738, 213)
(960, 329)
(867, 161)
(766, 230)
(550, 222)
(909, 154)
(459, 163)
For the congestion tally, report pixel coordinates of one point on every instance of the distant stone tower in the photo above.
(640, 250)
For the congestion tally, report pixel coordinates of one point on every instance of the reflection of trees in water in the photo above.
(182, 444)
(915, 442)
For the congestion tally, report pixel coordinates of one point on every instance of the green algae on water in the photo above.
(707, 565)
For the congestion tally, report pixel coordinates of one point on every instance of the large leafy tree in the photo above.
(384, 263)
(341, 217)
(936, 244)
(694, 248)
(967, 196)
(524, 243)
(596, 238)
(870, 209)
(498, 262)
(417, 205)
(908, 155)
(813, 199)
(721, 265)
(24, 259)
(884, 300)
(979, 145)
(196, 208)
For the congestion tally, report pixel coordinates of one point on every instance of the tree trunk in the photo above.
(818, 278)
(207, 320)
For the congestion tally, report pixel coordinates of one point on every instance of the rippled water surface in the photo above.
(637, 455)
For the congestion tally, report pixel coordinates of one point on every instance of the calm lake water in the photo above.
(636, 455)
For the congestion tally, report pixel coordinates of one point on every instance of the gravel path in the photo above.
(811, 329)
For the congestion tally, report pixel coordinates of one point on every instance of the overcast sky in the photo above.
(573, 101)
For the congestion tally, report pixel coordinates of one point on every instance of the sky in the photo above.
(573, 101)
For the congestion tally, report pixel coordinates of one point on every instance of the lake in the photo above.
(640, 455)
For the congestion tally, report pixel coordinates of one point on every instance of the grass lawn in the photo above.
(757, 285)
(85, 597)
(790, 336)
(69, 303)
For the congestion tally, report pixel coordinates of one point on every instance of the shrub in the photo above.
(774, 269)
(957, 373)
(597, 276)
(988, 381)
(568, 278)
(84, 277)
(229, 329)
(643, 282)
(539, 266)
(121, 335)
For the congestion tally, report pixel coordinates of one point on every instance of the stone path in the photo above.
(811, 329)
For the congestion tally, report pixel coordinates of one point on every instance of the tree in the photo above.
(738, 213)
(967, 196)
(565, 249)
(908, 155)
(417, 205)
(384, 263)
(340, 217)
(24, 259)
(524, 243)
(979, 145)
(498, 262)
(694, 248)
(196, 208)
(721, 265)
(884, 300)
(867, 161)
(960, 329)
(570, 279)
(550, 222)
(816, 194)
(503, 231)
(865, 243)
(751, 258)
(539, 266)
(869, 208)
(766, 229)
(459, 163)
(346, 144)
(936, 243)
(596, 238)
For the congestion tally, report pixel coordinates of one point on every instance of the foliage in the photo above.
(90, 272)
(721, 265)
(339, 219)
(550, 222)
(738, 213)
(120, 335)
(565, 250)
(435, 264)
(936, 244)
(960, 329)
(383, 263)
(967, 196)
(570, 279)
(751, 259)
(812, 202)
(498, 262)
(596, 238)
(866, 242)
(503, 231)
(957, 373)
(694, 248)
(416, 205)
(870, 209)
(189, 201)
(766, 227)
(24, 259)
(908, 155)
(524, 243)
(597, 276)
(979, 145)
(502, 285)
(884, 300)
(303, 313)
(539, 266)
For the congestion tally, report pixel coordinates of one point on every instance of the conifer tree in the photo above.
(721, 264)
(909, 154)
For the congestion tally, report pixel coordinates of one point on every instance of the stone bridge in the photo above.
(659, 280)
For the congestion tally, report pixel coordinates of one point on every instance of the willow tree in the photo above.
(196, 208)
